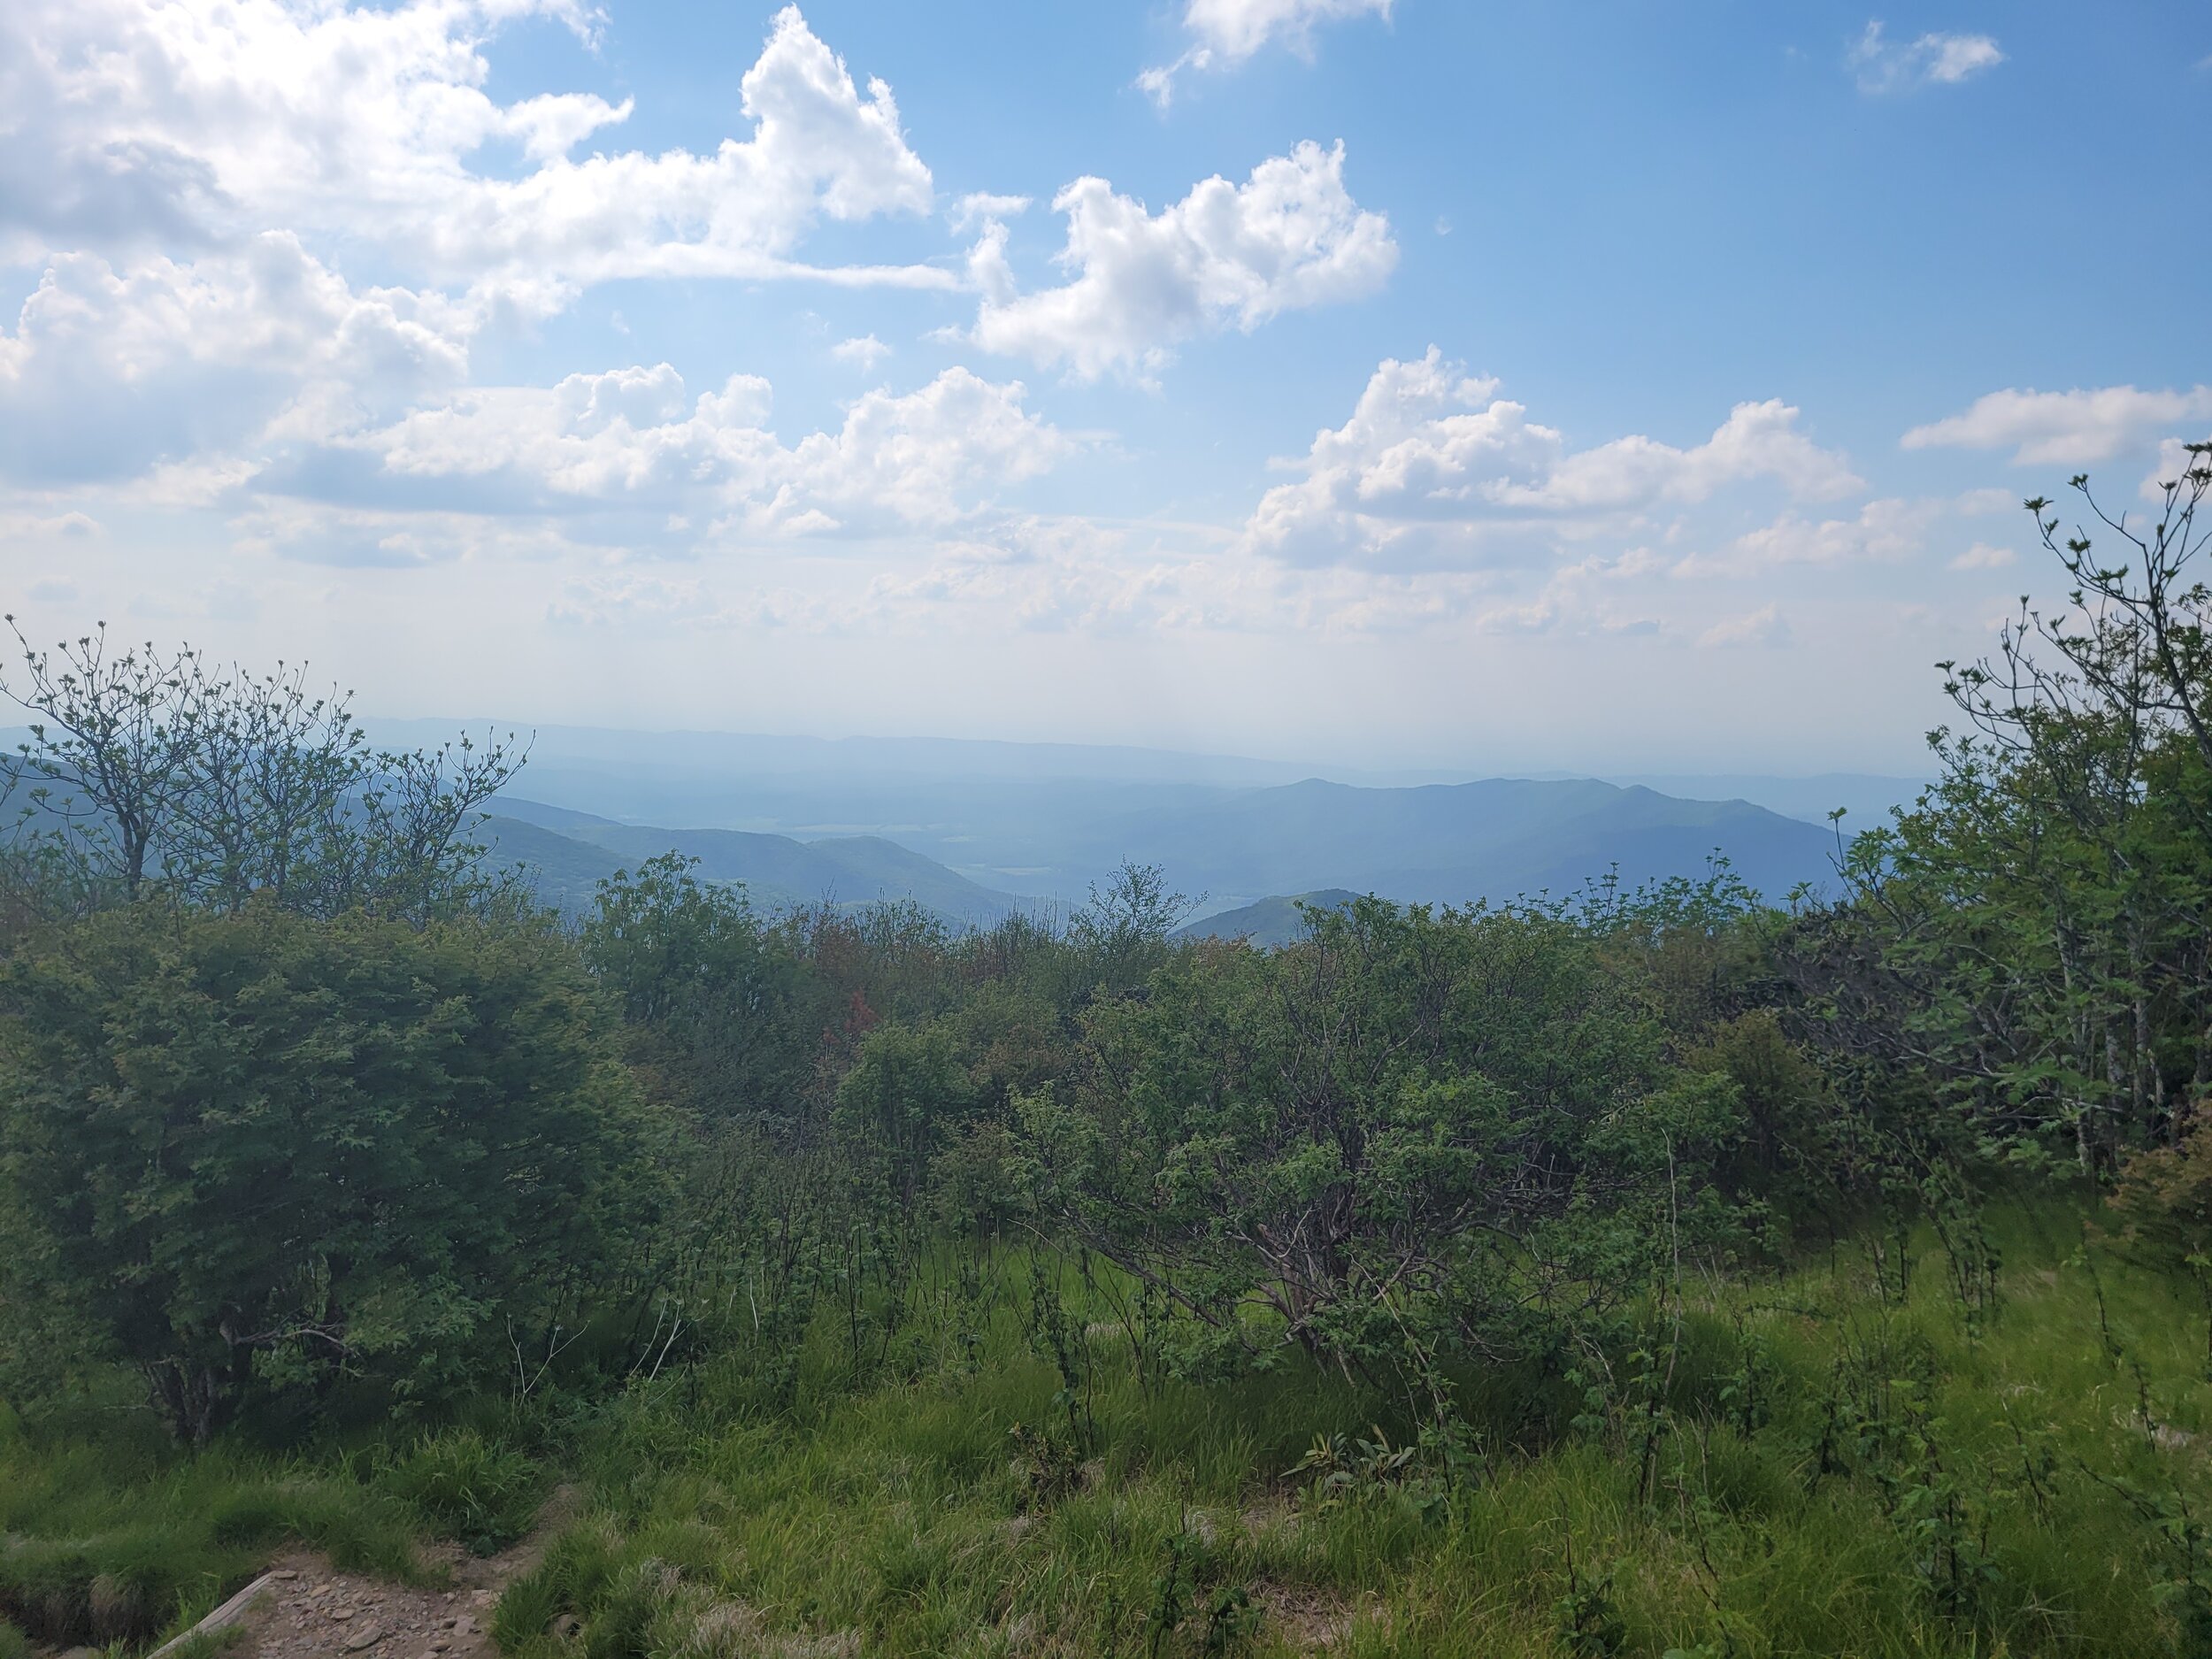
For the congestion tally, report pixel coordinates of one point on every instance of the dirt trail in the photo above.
(310, 1611)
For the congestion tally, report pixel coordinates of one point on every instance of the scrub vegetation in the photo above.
(1665, 1270)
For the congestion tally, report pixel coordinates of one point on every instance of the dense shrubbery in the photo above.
(1419, 1133)
(257, 1153)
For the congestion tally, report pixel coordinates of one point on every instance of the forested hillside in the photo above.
(1615, 1266)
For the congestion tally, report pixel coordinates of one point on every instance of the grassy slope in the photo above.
(895, 1519)
(899, 1515)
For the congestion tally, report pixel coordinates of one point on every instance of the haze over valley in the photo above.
(984, 828)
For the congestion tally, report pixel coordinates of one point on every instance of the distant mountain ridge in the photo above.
(1499, 839)
(568, 852)
(844, 824)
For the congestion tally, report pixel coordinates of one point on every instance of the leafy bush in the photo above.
(258, 1152)
(1412, 1132)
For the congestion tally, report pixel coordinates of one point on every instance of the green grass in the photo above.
(1970, 1510)
(1831, 1472)
(115, 1537)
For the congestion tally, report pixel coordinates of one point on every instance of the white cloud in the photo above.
(2175, 465)
(1227, 254)
(1884, 65)
(199, 121)
(927, 458)
(1885, 530)
(110, 372)
(1227, 32)
(1433, 465)
(1756, 441)
(863, 352)
(2064, 428)
(1984, 557)
(24, 527)
(1763, 627)
(1052, 575)
(981, 207)
(636, 438)
(1581, 598)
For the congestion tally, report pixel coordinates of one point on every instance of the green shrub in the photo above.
(260, 1151)
(467, 1488)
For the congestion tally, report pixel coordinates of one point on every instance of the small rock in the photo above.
(342, 1613)
(287, 1573)
(367, 1636)
(567, 1627)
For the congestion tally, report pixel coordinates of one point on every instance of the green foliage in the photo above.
(900, 1517)
(715, 993)
(1588, 1618)
(1122, 935)
(2026, 949)
(467, 1488)
(906, 1095)
(115, 1538)
(1410, 1135)
(261, 1154)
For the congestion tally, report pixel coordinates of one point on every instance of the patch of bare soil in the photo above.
(310, 1611)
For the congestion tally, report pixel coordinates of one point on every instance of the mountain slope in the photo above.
(1452, 843)
(1278, 921)
(777, 870)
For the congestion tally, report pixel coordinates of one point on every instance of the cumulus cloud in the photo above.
(863, 352)
(1226, 33)
(636, 438)
(110, 372)
(1938, 60)
(195, 122)
(1882, 531)
(1225, 256)
(1432, 466)
(2062, 428)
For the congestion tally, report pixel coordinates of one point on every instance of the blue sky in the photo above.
(1612, 387)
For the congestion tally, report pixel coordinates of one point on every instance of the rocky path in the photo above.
(310, 1611)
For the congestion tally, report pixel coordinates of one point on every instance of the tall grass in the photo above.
(1820, 1463)
(113, 1536)
(1831, 1469)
